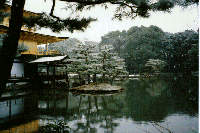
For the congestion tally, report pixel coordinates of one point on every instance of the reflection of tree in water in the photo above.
(185, 92)
(139, 102)
(101, 110)
(56, 103)
(109, 125)
(154, 99)
(149, 100)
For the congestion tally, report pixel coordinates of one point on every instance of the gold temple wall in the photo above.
(32, 46)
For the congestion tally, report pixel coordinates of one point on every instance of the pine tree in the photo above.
(87, 60)
(112, 64)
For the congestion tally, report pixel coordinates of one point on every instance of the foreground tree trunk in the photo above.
(10, 43)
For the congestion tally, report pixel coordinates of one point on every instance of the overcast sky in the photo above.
(176, 21)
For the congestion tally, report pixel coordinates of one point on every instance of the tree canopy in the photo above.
(139, 45)
(89, 60)
(125, 9)
(181, 51)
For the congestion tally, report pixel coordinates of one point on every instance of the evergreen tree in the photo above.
(181, 51)
(87, 61)
(81, 62)
(112, 65)
(137, 45)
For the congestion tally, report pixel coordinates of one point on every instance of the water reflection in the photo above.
(96, 110)
(154, 99)
(10, 109)
(84, 111)
(148, 105)
(15, 114)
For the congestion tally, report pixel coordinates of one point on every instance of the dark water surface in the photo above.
(150, 105)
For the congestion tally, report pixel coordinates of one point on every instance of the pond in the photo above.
(146, 105)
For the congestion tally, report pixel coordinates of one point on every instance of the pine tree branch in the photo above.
(56, 24)
(88, 2)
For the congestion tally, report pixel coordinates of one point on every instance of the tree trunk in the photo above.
(94, 78)
(80, 78)
(10, 42)
(88, 78)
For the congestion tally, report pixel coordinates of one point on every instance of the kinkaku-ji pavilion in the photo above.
(28, 36)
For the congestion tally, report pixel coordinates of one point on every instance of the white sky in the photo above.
(176, 21)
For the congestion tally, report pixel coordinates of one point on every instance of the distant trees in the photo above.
(143, 43)
(64, 47)
(181, 51)
(138, 45)
(155, 65)
(115, 38)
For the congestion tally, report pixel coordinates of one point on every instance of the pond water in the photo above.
(148, 105)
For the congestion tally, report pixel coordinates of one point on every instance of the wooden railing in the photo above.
(41, 52)
(56, 73)
(15, 76)
(51, 52)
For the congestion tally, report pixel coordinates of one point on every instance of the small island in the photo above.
(97, 88)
